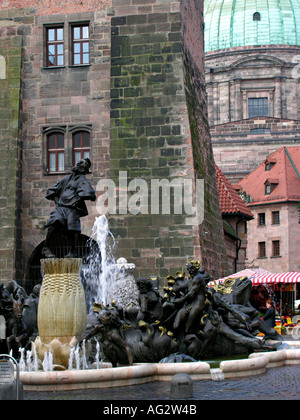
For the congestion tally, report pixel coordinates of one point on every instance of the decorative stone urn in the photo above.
(123, 289)
(62, 309)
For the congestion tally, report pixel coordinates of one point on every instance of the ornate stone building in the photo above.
(252, 56)
(120, 81)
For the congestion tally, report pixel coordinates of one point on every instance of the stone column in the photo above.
(277, 98)
(283, 98)
(237, 115)
(210, 103)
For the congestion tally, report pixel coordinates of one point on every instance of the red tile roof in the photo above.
(284, 175)
(230, 201)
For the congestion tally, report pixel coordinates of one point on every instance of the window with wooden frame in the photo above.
(270, 185)
(267, 189)
(81, 146)
(80, 44)
(261, 219)
(261, 249)
(276, 248)
(56, 152)
(275, 218)
(55, 46)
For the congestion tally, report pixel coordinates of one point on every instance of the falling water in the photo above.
(217, 374)
(48, 362)
(29, 364)
(35, 358)
(98, 271)
(77, 357)
(22, 364)
(45, 362)
(84, 361)
(97, 357)
(71, 358)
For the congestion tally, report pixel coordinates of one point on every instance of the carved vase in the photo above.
(62, 305)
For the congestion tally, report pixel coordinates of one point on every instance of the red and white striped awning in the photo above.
(244, 273)
(288, 277)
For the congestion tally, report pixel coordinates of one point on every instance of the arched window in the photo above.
(56, 152)
(81, 146)
(256, 16)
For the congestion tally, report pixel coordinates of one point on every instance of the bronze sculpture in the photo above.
(69, 195)
(192, 320)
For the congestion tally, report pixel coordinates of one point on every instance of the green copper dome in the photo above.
(237, 23)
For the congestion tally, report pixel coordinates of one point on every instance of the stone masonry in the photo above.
(142, 98)
(10, 73)
(159, 131)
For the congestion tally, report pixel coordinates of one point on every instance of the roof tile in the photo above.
(230, 201)
(286, 172)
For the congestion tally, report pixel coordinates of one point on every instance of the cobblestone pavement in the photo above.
(282, 383)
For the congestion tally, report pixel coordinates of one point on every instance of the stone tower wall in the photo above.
(10, 81)
(159, 131)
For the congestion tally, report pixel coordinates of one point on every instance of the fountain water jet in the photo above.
(22, 363)
(99, 269)
(106, 279)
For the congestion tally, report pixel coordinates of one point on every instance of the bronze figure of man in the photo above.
(69, 195)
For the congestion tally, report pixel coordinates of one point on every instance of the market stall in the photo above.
(284, 289)
(279, 287)
(272, 278)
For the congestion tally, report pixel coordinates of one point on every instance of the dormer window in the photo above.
(269, 164)
(256, 16)
(270, 185)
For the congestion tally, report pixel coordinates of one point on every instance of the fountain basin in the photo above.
(108, 377)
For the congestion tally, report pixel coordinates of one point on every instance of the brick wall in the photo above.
(50, 7)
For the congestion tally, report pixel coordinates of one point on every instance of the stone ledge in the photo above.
(108, 377)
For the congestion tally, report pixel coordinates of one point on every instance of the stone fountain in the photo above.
(148, 332)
